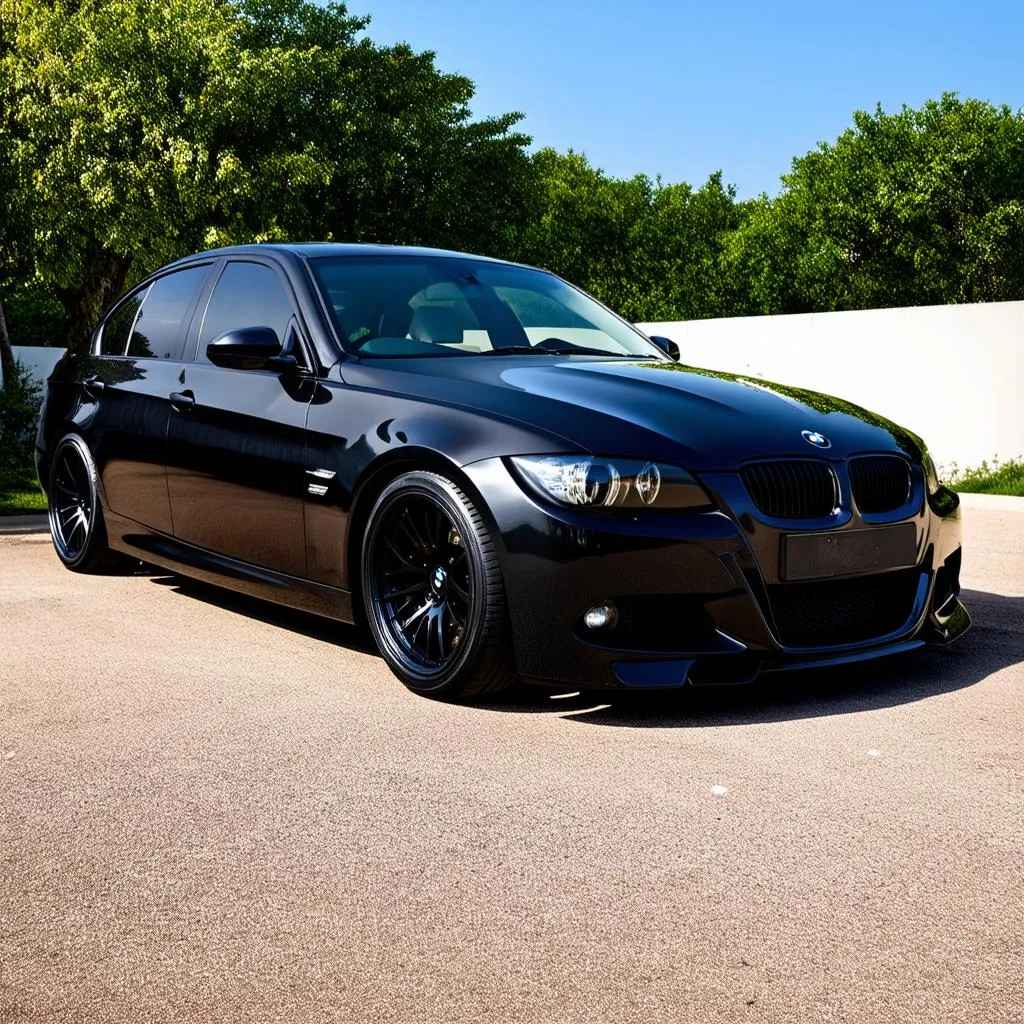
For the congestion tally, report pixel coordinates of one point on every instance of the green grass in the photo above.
(20, 494)
(22, 503)
(997, 478)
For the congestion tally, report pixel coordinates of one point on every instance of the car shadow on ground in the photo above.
(995, 642)
(330, 631)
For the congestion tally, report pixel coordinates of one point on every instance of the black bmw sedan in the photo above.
(498, 475)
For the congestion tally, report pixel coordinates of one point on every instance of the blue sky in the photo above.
(683, 89)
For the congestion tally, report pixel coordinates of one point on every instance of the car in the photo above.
(491, 470)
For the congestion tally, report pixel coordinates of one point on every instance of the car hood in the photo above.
(700, 418)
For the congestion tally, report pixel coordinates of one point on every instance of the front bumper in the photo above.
(701, 598)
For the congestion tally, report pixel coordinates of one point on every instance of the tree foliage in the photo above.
(915, 208)
(12, 230)
(920, 207)
(133, 132)
(648, 249)
(151, 130)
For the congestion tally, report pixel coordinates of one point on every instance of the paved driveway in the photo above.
(211, 811)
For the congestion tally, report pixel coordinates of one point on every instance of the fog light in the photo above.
(601, 616)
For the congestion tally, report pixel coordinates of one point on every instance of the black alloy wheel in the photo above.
(76, 519)
(434, 594)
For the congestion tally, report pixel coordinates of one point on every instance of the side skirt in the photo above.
(158, 549)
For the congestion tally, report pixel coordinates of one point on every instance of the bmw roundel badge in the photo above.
(818, 440)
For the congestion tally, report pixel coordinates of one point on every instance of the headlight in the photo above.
(931, 474)
(585, 481)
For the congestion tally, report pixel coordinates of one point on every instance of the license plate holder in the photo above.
(815, 556)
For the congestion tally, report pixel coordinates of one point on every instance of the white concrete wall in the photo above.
(952, 374)
(39, 361)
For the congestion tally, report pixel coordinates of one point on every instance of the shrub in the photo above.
(20, 398)
(997, 478)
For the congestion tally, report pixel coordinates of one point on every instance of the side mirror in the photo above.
(248, 348)
(667, 345)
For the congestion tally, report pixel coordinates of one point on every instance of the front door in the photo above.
(236, 438)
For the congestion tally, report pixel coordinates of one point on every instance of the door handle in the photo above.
(93, 385)
(182, 401)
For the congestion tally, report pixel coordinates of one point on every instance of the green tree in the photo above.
(649, 250)
(923, 206)
(332, 136)
(29, 312)
(109, 115)
(153, 130)
(683, 246)
(11, 231)
(583, 223)
(756, 275)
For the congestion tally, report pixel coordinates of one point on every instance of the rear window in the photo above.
(118, 329)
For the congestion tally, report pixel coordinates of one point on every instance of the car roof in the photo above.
(312, 249)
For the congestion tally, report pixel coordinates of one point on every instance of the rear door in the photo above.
(236, 439)
(128, 380)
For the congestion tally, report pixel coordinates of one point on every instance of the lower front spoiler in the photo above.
(940, 629)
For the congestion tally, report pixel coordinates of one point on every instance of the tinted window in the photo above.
(159, 325)
(246, 295)
(114, 339)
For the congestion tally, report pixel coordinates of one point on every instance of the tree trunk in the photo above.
(103, 282)
(6, 352)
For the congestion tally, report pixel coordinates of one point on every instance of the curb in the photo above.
(24, 524)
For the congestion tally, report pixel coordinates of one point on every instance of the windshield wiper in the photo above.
(519, 350)
(530, 350)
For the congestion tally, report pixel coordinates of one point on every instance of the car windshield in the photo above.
(447, 306)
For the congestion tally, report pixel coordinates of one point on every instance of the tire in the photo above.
(433, 591)
(76, 518)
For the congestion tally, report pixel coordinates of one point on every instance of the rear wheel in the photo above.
(434, 593)
(76, 519)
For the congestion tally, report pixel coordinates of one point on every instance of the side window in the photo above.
(159, 327)
(246, 295)
(116, 331)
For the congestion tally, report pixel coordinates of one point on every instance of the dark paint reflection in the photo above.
(905, 439)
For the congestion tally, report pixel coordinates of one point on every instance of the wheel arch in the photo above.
(96, 555)
(72, 428)
(368, 488)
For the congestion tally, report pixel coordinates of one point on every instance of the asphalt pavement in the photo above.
(213, 810)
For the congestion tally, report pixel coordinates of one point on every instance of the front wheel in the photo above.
(434, 593)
